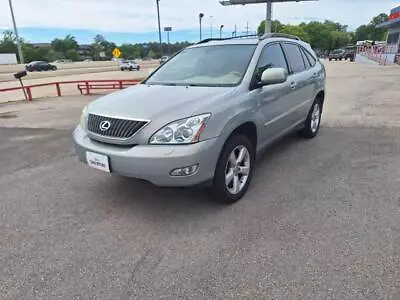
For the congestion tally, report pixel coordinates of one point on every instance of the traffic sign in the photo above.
(116, 53)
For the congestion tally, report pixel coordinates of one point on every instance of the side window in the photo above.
(295, 58)
(305, 59)
(272, 57)
(311, 59)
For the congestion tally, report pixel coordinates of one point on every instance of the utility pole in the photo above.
(168, 30)
(211, 26)
(20, 54)
(268, 20)
(159, 25)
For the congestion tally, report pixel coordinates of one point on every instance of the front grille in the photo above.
(118, 128)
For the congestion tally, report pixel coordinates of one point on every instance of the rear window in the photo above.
(308, 58)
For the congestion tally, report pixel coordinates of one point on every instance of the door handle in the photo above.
(293, 85)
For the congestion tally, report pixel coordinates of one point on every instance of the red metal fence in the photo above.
(84, 86)
(380, 53)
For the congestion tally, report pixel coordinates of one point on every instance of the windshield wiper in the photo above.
(160, 83)
(169, 84)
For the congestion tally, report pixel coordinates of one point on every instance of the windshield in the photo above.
(223, 65)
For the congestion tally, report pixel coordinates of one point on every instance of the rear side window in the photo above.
(295, 58)
(310, 58)
(272, 57)
(305, 59)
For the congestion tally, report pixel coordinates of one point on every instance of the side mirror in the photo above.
(274, 76)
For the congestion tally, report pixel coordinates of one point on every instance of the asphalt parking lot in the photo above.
(320, 221)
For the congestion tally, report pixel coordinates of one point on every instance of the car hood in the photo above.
(150, 102)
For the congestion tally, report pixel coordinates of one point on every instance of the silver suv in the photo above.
(206, 114)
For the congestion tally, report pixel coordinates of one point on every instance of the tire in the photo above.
(330, 59)
(130, 69)
(122, 69)
(222, 191)
(311, 128)
(138, 68)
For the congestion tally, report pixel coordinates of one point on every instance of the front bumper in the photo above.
(154, 163)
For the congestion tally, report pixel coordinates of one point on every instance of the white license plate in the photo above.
(98, 161)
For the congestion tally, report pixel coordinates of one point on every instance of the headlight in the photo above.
(185, 131)
(84, 117)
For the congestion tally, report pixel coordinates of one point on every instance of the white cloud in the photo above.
(140, 15)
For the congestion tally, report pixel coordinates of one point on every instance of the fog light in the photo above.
(185, 171)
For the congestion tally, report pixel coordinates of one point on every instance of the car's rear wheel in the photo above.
(313, 121)
(234, 170)
(138, 68)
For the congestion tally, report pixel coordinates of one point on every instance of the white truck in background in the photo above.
(8, 59)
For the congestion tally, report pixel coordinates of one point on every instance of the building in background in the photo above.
(8, 59)
(392, 49)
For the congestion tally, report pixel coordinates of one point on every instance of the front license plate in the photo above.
(98, 161)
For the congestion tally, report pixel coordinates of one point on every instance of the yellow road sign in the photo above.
(116, 53)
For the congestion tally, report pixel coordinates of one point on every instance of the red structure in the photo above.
(84, 86)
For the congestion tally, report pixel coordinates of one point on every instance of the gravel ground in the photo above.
(320, 221)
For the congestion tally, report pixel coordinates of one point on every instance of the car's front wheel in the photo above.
(313, 121)
(234, 170)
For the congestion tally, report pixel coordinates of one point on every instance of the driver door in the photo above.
(273, 100)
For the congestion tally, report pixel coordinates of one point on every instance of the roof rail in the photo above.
(280, 35)
(229, 38)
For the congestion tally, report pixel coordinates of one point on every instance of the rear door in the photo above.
(301, 82)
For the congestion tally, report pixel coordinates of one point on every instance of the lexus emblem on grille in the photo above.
(105, 125)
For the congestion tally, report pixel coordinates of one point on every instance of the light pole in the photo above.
(168, 30)
(159, 25)
(220, 31)
(201, 16)
(268, 19)
(211, 26)
(20, 54)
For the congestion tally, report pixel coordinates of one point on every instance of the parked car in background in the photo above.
(129, 65)
(337, 54)
(206, 116)
(40, 66)
(350, 53)
(164, 59)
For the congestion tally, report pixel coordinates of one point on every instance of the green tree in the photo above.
(339, 39)
(72, 54)
(370, 31)
(296, 31)
(65, 45)
(275, 27)
(32, 53)
(101, 45)
(152, 54)
(129, 51)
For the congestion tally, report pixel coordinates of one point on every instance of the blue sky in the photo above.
(136, 20)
